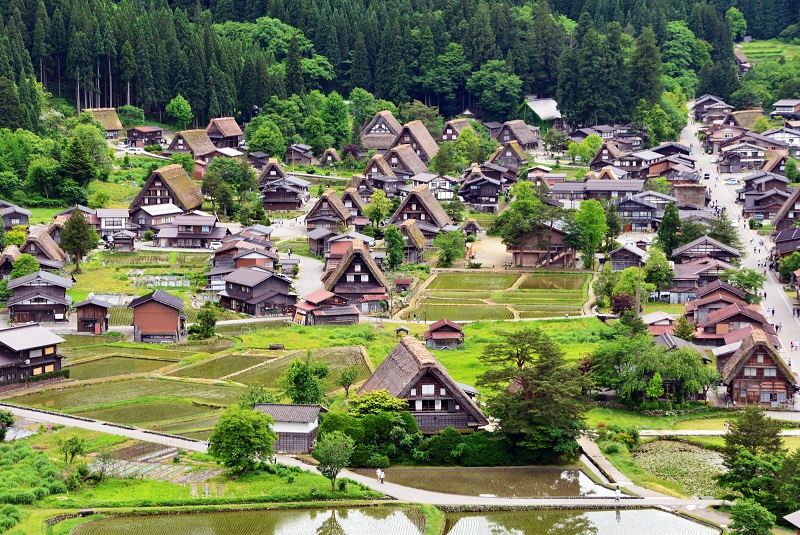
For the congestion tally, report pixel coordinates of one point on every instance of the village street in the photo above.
(776, 298)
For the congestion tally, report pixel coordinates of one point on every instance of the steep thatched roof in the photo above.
(409, 227)
(174, 177)
(195, 141)
(40, 236)
(357, 251)
(351, 192)
(408, 362)
(334, 156)
(408, 157)
(227, 126)
(378, 166)
(335, 205)
(422, 194)
(380, 132)
(107, 117)
(420, 134)
(757, 340)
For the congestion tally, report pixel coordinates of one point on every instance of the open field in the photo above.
(138, 413)
(42, 215)
(109, 367)
(769, 49)
(498, 296)
(220, 367)
(116, 391)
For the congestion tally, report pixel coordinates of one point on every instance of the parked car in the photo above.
(214, 245)
(732, 181)
(706, 176)
(714, 159)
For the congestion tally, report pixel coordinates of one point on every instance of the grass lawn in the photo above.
(626, 419)
(432, 312)
(299, 246)
(664, 307)
(42, 215)
(220, 367)
(790, 443)
(138, 412)
(120, 194)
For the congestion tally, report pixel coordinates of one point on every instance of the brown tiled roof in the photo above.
(691, 306)
(416, 235)
(357, 249)
(107, 117)
(380, 141)
(731, 310)
(423, 195)
(160, 296)
(186, 190)
(423, 138)
(524, 134)
(40, 236)
(352, 193)
(405, 365)
(333, 154)
(409, 158)
(227, 126)
(197, 142)
(317, 296)
(746, 350)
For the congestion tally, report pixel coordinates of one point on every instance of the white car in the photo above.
(714, 159)
(214, 245)
(136, 150)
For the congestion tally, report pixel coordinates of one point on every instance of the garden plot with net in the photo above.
(500, 296)
(154, 461)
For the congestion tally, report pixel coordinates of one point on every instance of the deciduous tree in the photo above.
(24, 265)
(333, 451)
(395, 243)
(378, 208)
(750, 518)
(452, 247)
(305, 381)
(749, 280)
(242, 438)
(78, 237)
(591, 219)
(657, 270)
(180, 110)
(668, 238)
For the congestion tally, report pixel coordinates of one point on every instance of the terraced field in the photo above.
(484, 296)
(139, 413)
(109, 367)
(103, 393)
(220, 367)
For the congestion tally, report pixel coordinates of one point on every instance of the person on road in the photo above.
(616, 494)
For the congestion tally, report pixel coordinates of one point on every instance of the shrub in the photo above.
(611, 448)
(629, 436)
(471, 238)
(148, 236)
(17, 497)
(153, 148)
(376, 460)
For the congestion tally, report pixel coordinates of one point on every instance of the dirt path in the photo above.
(586, 309)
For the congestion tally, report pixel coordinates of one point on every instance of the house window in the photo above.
(205, 228)
(351, 278)
(770, 372)
(428, 405)
(413, 206)
(357, 268)
(428, 390)
(365, 278)
(15, 221)
(422, 217)
(750, 372)
(442, 392)
(781, 397)
(33, 248)
(765, 397)
(413, 391)
(457, 407)
(760, 358)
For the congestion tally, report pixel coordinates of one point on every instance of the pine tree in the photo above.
(11, 113)
(128, 68)
(77, 163)
(668, 238)
(41, 31)
(645, 72)
(294, 71)
(360, 75)
(394, 247)
(78, 237)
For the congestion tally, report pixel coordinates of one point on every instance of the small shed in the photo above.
(794, 519)
(402, 331)
(296, 425)
(93, 315)
(472, 227)
(403, 284)
(123, 241)
(444, 334)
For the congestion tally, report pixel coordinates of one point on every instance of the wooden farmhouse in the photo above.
(258, 159)
(89, 214)
(7, 259)
(639, 214)
(358, 279)
(331, 158)
(93, 315)
(151, 217)
(329, 212)
(444, 334)
(411, 372)
(788, 213)
(731, 318)
(322, 307)
(40, 297)
(195, 142)
(416, 242)
(13, 215)
(195, 230)
(363, 186)
(27, 351)
(124, 241)
(318, 240)
(158, 318)
(145, 136)
(280, 191)
(40, 245)
(689, 276)
(756, 373)
(786, 243)
(421, 206)
(421, 141)
(702, 247)
(764, 205)
(404, 162)
(224, 132)
(169, 185)
(258, 292)
(480, 191)
(626, 256)
(108, 119)
(452, 129)
(471, 227)
(378, 175)
(698, 310)
(300, 154)
(544, 248)
(379, 134)
(510, 155)
(295, 425)
(517, 131)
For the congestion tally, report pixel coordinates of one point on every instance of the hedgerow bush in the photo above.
(9, 517)
(26, 475)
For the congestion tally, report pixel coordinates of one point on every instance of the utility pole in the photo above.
(639, 291)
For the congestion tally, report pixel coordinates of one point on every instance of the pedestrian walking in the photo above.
(780, 326)
(616, 494)
(383, 475)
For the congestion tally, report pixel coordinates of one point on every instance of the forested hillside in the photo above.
(225, 57)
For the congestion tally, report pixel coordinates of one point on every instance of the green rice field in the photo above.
(116, 391)
(219, 367)
(337, 359)
(138, 413)
(109, 367)
(204, 422)
(538, 295)
(769, 49)
(120, 350)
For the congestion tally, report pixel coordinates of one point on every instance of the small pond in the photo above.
(563, 522)
(502, 482)
(362, 521)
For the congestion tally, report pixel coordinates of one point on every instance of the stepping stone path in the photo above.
(154, 461)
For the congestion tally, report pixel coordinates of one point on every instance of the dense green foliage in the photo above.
(241, 438)
(26, 476)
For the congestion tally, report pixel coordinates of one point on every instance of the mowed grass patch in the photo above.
(337, 359)
(219, 367)
(116, 391)
(112, 366)
(555, 281)
(464, 294)
(435, 312)
(43, 215)
(138, 413)
(476, 281)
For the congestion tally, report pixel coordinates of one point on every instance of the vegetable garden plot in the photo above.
(202, 423)
(111, 366)
(110, 392)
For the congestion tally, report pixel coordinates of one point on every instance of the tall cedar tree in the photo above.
(77, 163)
(394, 247)
(294, 69)
(668, 238)
(646, 68)
(11, 115)
(753, 431)
(543, 411)
(360, 75)
(78, 237)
